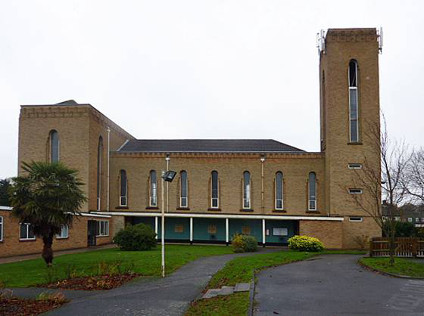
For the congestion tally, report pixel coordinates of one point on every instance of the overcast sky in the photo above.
(199, 69)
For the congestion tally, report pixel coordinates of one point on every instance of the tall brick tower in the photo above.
(350, 115)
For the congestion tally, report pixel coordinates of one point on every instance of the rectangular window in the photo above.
(212, 229)
(417, 220)
(214, 190)
(355, 219)
(103, 228)
(26, 232)
(355, 191)
(184, 189)
(410, 219)
(64, 232)
(179, 228)
(397, 218)
(280, 231)
(1, 228)
(355, 166)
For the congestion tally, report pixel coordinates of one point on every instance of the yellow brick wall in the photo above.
(329, 232)
(295, 168)
(12, 246)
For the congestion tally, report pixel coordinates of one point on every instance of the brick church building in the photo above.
(259, 187)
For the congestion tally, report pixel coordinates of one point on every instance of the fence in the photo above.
(406, 247)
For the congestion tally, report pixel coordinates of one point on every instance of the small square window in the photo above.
(64, 232)
(26, 232)
(410, 219)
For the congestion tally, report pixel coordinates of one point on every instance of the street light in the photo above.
(167, 176)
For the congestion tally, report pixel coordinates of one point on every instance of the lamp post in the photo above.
(167, 176)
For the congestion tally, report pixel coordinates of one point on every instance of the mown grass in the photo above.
(148, 263)
(402, 266)
(235, 304)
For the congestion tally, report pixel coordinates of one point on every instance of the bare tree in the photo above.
(414, 182)
(384, 182)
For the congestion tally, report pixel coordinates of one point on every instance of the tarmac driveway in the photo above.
(335, 285)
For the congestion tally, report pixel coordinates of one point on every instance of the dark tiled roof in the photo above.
(64, 103)
(207, 145)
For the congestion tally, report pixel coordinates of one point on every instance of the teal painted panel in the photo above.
(254, 225)
(273, 226)
(177, 228)
(202, 231)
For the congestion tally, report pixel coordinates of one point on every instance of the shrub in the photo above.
(305, 243)
(244, 243)
(136, 237)
(402, 229)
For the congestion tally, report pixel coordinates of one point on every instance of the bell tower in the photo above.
(349, 109)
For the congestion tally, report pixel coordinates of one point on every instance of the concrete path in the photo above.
(335, 285)
(169, 296)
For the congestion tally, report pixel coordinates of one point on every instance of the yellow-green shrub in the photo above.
(244, 243)
(305, 243)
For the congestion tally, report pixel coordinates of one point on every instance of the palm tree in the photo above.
(47, 196)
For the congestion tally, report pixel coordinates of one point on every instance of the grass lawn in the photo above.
(402, 266)
(148, 263)
(242, 270)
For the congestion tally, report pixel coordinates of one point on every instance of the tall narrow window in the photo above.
(1, 228)
(279, 190)
(214, 190)
(184, 189)
(312, 192)
(54, 146)
(123, 201)
(353, 102)
(153, 199)
(246, 190)
(99, 172)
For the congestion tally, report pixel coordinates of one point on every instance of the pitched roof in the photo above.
(207, 145)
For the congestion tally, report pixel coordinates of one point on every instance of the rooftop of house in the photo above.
(208, 145)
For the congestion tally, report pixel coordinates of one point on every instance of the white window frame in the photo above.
(409, 219)
(153, 189)
(355, 191)
(106, 228)
(282, 192)
(183, 199)
(1, 228)
(27, 232)
(353, 88)
(312, 201)
(355, 219)
(123, 197)
(247, 192)
(215, 200)
(354, 166)
(62, 235)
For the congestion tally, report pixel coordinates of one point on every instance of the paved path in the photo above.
(169, 296)
(335, 285)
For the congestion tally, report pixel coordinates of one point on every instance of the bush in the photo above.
(244, 243)
(402, 229)
(136, 237)
(305, 243)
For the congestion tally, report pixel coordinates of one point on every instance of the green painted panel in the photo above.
(177, 228)
(251, 227)
(212, 229)
(274, 227)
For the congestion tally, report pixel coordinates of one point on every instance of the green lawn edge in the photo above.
(147, 263)
(403, 267)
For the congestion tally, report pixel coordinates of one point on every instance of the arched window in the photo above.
(279, 190)
(246, 190)
(312, 192)
(184, 189)
(54, 146)
(353, 102)
(123, 201)
(99, 172)
(153, 189)
(214, 190)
